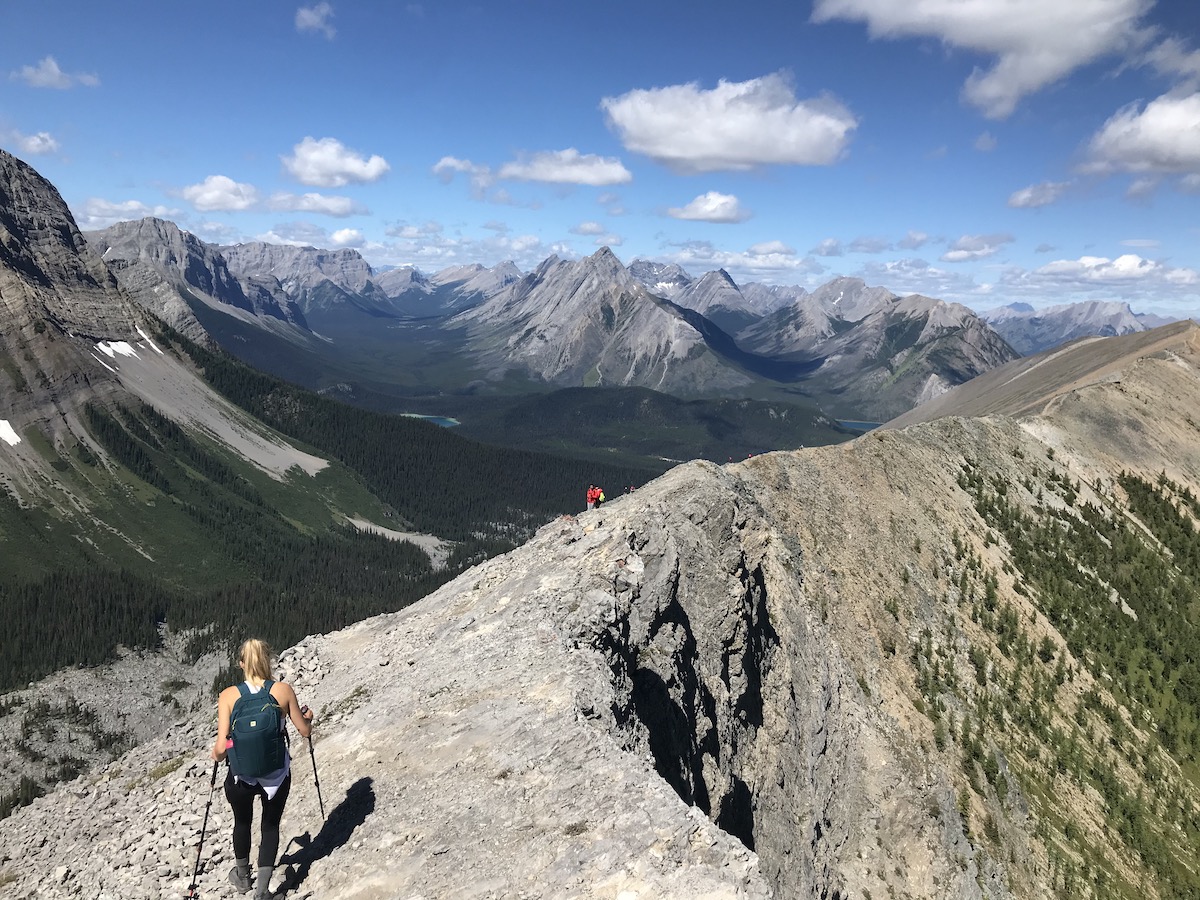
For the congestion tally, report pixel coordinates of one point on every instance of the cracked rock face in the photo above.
(638, 703)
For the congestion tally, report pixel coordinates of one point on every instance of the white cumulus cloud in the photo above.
(316, 18)
(329, 163)
(736, 125)
(1035, 43)
(220, 192)
(347, 237)
(1102, 270)
(47, 74)
(588, 228)
(98, 213)
(566, 167)
(1164, 137)
(1149, 285)
(711, 207)
(1037, 195)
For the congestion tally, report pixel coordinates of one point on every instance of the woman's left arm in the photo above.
(224, 711)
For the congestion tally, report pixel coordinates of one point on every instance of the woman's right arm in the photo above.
(301, 716)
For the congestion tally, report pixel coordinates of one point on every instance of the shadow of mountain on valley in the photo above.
(343, 819)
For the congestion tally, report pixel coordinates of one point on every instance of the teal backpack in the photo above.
(256, 727)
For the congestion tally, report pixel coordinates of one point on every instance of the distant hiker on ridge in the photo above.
(593, 496)
(252, 735)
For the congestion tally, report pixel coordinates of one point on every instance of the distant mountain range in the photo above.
(1029, 330)
(859, 352)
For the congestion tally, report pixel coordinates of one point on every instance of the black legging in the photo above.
(241, 800)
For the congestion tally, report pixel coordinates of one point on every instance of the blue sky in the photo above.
(981, 151)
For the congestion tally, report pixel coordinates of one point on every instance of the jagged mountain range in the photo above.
(568, 323)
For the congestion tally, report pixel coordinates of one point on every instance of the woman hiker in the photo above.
(259, 763)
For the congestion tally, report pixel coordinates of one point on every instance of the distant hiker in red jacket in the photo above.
(593, 494)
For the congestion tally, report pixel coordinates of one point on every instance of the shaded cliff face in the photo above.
(162, 267)
(813, 674)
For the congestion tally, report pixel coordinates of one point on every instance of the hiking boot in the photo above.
(241, 883)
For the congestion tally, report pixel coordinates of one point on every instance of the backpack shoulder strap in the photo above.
(243, 690)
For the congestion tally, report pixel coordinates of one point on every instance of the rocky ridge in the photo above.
(714, 686)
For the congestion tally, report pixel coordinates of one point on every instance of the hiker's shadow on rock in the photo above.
(358, 803)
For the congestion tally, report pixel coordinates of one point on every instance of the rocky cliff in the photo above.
(164, 268)
(826, 673)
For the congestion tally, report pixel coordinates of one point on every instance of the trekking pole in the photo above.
(196, 871)
(313, 757)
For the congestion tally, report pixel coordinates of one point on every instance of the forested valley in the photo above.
(270, 576)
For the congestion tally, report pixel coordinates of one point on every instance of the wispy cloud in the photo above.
(566, 167)
(588, 229)
(870, 245)
(339, 207)
(316, 19)
(712, 207)
(771, 260)
(976, 246)
(1038, 195)
(329, 163)
(736, 125)
(47, 74)
(828, 247)
(1035, 43)
(986, 142)
(31, 144)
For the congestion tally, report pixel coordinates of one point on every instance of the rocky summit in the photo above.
(841, 672)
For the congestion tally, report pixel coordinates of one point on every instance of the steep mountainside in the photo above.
(319, 281)
(957, 659)
(1029, 330)
(879, 354)
(661, 279)
(718, 299)
(591, 323)
(163, 268)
